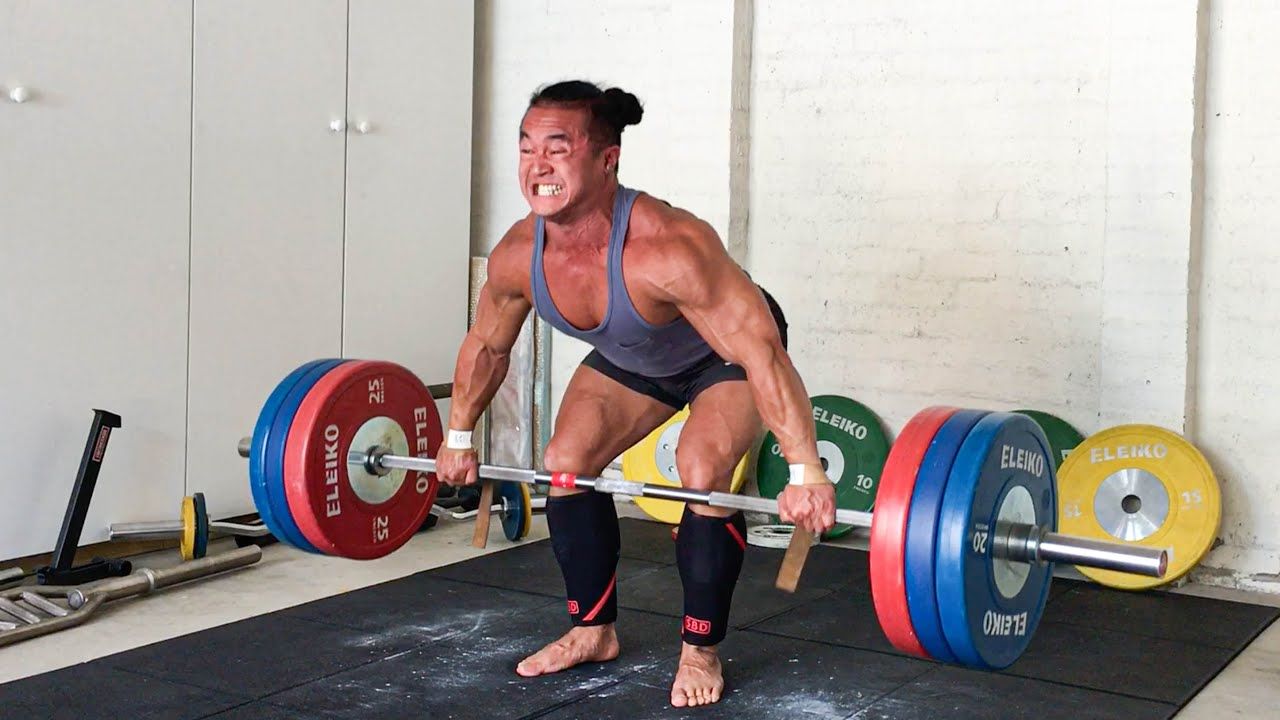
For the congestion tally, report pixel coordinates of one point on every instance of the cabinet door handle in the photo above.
(19, 94)
(363, 127)
(337, 125)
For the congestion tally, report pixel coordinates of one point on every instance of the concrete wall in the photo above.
(1060, 206)
(1239, 283)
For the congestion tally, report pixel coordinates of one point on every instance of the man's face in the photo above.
(558, 165)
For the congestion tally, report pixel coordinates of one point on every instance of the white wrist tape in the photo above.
(797, 473)
(458, 440)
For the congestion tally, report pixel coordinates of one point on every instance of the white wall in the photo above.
(1239, 348)
(997, 205)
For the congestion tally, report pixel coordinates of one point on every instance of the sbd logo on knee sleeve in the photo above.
(696, 626)
(573, 607)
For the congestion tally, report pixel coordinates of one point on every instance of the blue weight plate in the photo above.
(275, 453)
(267, 451)
(922, 532)
(990, 607)
(513, 515)
(258, 447)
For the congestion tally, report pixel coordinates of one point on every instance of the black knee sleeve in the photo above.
(584, 535)
(709, 552)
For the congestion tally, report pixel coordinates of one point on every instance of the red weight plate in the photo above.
(340, 508)
(889, 527)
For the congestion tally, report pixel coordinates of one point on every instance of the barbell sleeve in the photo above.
(1023, 543)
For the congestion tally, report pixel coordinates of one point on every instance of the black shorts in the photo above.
(680, 389)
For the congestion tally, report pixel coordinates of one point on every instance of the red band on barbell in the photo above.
(564, 480)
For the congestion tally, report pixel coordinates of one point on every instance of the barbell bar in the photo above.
(168, 529)
(1017, 542)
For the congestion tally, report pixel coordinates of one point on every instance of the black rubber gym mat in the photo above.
(444, 643)
(532, 568)
(473, 675)
(270, 653)
(96, 690)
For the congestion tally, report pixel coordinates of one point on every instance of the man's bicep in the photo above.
(500, 314)
(502, 304)
(731, 314)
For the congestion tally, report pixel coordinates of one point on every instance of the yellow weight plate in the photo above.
(653, 460)
(528, 511)
(187, 543)
(1143, 485)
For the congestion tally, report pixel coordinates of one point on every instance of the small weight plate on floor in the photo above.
(200, 545)
(922, 532)
(1143, 485)
(528, 511)
(653, 460)
(889, 527)
(770, 536)
(515, 513)
(266, 451)
(187, 542)
(1003, 475)
(853, 447)
(1063, 438)
(341, 508)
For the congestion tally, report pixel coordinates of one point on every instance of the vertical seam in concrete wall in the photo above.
(1106, 218)
(1195, 261)
(740, 131)
(482, 89)
(191, 191)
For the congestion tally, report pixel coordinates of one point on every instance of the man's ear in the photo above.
(611, 155)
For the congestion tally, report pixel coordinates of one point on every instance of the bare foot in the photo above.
(699, 680)
(598, 643)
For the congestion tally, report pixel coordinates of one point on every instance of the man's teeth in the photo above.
(547, 190)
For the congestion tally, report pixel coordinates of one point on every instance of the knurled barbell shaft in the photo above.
(1024, 543)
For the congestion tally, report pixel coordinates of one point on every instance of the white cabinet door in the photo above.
(409, 182)
(94, 198)
(266, 226)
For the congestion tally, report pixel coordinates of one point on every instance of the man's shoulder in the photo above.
(509, 260)
(662, 227)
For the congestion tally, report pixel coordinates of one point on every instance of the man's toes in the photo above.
(678, 698)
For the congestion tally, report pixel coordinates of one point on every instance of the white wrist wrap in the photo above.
(458, 440)
(797, 473)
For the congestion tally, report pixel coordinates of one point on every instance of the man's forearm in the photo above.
(784, 407)
(476, 379)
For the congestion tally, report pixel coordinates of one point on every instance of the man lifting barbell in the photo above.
(673, 321)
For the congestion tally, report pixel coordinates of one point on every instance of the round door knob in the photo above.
(19, 94)
(338, 125)
(363, 127)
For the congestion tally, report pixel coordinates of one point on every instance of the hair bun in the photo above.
(624, 106)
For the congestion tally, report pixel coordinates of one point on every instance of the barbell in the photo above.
(963, 535)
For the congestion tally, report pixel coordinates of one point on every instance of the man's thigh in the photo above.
(598, 420)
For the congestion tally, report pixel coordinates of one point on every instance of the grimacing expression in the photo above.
(559, 165)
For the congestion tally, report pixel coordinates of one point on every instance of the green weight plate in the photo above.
(853, 446)
(1062, 437)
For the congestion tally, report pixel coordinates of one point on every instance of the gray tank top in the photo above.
(622, 337)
